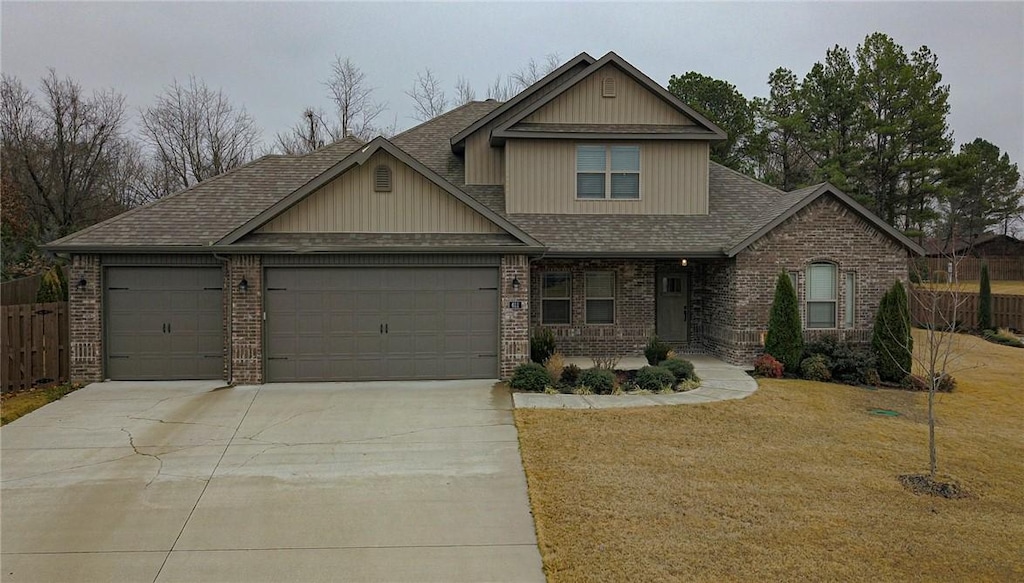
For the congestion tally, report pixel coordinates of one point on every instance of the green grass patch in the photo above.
(21, 404)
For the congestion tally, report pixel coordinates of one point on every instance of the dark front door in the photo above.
(673, 305)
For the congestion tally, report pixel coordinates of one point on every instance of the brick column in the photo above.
(85, 295)
(515, 322)
(246, 313)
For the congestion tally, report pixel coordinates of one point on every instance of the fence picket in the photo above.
(1007, 310)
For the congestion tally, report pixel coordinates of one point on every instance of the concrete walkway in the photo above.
(191, 481)
(719, 381)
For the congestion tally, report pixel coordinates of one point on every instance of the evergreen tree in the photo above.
(830, 106)
(783, 129)
(980, 189)
(785, 339)
(891, 340)
(724, 105)
(985, 300)
(53, 287)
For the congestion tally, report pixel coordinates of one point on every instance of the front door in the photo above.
(673, 305)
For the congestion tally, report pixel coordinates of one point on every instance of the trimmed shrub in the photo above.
(598, 380)
(681, 369)
(654, 378)
(53, 287)
(985, 300)
(767, 366)
(531, 377)
(871, 377)
(816, 368)
(542, 345)
(785, 339)
(847, 363)
(570, 375)
(891, 340)
(656, 351)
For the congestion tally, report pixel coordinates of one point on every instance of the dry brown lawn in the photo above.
(1014, 288)
(796, 482)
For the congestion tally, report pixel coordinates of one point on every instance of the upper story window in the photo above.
(821, 295)
(606, 172)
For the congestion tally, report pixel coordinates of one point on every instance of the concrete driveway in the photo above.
(190, 481)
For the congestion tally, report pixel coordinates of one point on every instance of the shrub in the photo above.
(767, 366)
(847, 363)
(985, 300)
(53, 287)
(681, 369)
(654, 378)
(605, 362)
(1003, 336)
(871, 377)
(554, 365)
(785, 340)
(656, 351)
(816, 368)
(542, 346)
(912, 382)
(891, 340)
(570, 375)
(530, 377)
(598, 380)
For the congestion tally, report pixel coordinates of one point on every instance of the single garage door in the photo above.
(340, 323)
(164, 323)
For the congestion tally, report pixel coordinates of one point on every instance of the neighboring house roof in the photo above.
(936, 247)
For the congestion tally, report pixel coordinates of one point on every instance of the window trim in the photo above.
(567, 298)
(587, 297)
(850, 300)
(835, 296)
(608, 173)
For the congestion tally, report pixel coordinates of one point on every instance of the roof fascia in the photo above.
(519, 98)
(597, 136)
(682, 254)
(611, 58)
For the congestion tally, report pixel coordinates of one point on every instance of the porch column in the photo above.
(246, 314)
(514, 295)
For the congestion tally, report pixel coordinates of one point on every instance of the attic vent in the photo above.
(382, 179)
(608, 87)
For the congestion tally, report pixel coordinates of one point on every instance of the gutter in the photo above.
(270, 250)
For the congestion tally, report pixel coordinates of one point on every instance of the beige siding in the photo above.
(349, 204)
(633, 104)
(541, 178)
(484, 164)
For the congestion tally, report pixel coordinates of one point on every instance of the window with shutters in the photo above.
(600, 291)
(382, 179)
(605, 172)
(821, 295)
(555, 304)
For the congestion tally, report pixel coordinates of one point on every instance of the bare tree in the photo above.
(534, 71)
(430, 100)
(464, 93)
(309, 134)
(353, 100)
(62, 154)
(196, 133)
(501, 89)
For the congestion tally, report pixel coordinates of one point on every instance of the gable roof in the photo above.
(705, 130)
(357, 159)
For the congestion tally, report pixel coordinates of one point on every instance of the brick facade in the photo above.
(514, 343)
(246, 319)
(85, 307)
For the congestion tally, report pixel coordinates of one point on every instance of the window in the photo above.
(600, 297)
(607, 172)
(821, 295)
(851, 288)
(382, 179)
(555, 302)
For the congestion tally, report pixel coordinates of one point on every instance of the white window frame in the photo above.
(544, 298)
(608, 172)
(587, 298)
(809, 286)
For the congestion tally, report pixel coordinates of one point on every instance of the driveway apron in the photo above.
(189, 481)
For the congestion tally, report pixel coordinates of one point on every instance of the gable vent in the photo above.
(382, 179)
(608, 87)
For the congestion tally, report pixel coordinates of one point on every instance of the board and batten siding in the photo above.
(632, 104)
(484, 164)
(541, 178)
(348, 204)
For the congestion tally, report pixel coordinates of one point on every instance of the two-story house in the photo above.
(586, 204)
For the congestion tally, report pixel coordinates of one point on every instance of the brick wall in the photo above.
(86, 319)
(515, 322)
(634, 307)
(246, 314)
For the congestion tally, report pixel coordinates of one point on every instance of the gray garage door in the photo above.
(381, 323)
(164, 323)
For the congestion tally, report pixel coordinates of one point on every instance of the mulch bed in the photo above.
(925, 484)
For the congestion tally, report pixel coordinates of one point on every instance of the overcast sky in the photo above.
(271, 57)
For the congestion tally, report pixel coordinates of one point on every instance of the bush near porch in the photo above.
(796, 482)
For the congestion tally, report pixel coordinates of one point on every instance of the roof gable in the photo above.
(366, 156)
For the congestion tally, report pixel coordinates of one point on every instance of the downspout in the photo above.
(230, 318)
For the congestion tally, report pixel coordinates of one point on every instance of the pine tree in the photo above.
(985, 300)
(892, 341)
(785, 339)
(53, 286)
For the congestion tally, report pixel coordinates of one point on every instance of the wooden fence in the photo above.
(22, 290)
(1007, 310)
(969, 268)
(34, 344)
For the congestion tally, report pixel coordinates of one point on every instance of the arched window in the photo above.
(821, 295)
(382, 179)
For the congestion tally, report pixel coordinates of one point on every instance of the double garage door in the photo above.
(376, 323)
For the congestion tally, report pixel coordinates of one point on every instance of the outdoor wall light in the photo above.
(682, 262)
(243, 286)
(515, 283)
(81, 283)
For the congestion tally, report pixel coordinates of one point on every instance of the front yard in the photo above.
(796, 482)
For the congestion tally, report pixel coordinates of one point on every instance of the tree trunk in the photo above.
(932, 460)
